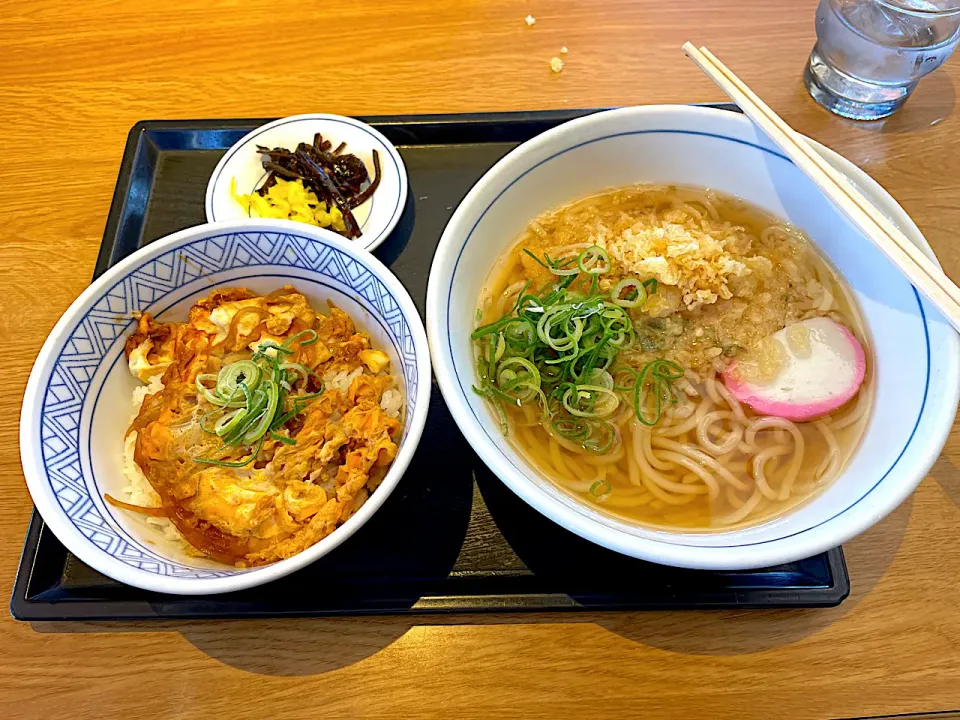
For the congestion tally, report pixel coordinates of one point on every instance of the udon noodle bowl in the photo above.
(669, 355)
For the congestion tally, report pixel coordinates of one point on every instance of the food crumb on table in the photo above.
(530, 20)
(563, 50)
(556, 64)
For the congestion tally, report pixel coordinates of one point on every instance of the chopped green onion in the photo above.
(262, 348)
(601, 488)
(254, 398)
(636, 293)
(302, 370)
(536, 259)
(501, 346)
(591, 401)
(228, 464)
(311, 334)
(267, 413)
(212, 395)
(564, 267)
(600, 438)
(594, 260)
(655, 380)
(229, 421)
(601, 377)
(244, 372)
(570, 428)
(519, 334)
(486, 393)
(556, 349)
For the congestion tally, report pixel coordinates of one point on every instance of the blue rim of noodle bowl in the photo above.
(715, 136)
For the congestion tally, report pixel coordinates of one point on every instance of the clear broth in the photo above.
(646, 472)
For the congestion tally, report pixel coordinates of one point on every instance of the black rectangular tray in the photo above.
(451, 538)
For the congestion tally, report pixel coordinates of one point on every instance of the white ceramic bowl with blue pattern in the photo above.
(77, 405)
(916, 353)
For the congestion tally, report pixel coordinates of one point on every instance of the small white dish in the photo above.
(916, 353)
(377, 216)
(77, 405)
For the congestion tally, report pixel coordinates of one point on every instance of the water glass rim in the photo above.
(944, 8)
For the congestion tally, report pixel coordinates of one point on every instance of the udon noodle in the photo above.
(717, 278)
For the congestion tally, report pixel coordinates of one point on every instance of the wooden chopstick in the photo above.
(879, 218)
(925, 275)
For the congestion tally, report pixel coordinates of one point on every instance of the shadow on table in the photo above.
(279, 647)
(304, 646)
(735, 632)
(946, 473)
(286, 648)
(931, 102)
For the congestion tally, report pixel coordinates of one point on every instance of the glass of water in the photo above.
(870, 54)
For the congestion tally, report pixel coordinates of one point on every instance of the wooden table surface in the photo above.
(74, 76)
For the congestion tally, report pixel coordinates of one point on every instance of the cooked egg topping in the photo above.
(257, 476)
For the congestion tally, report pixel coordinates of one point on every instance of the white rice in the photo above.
(340, 380)
(140, 393)
(392, 402)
